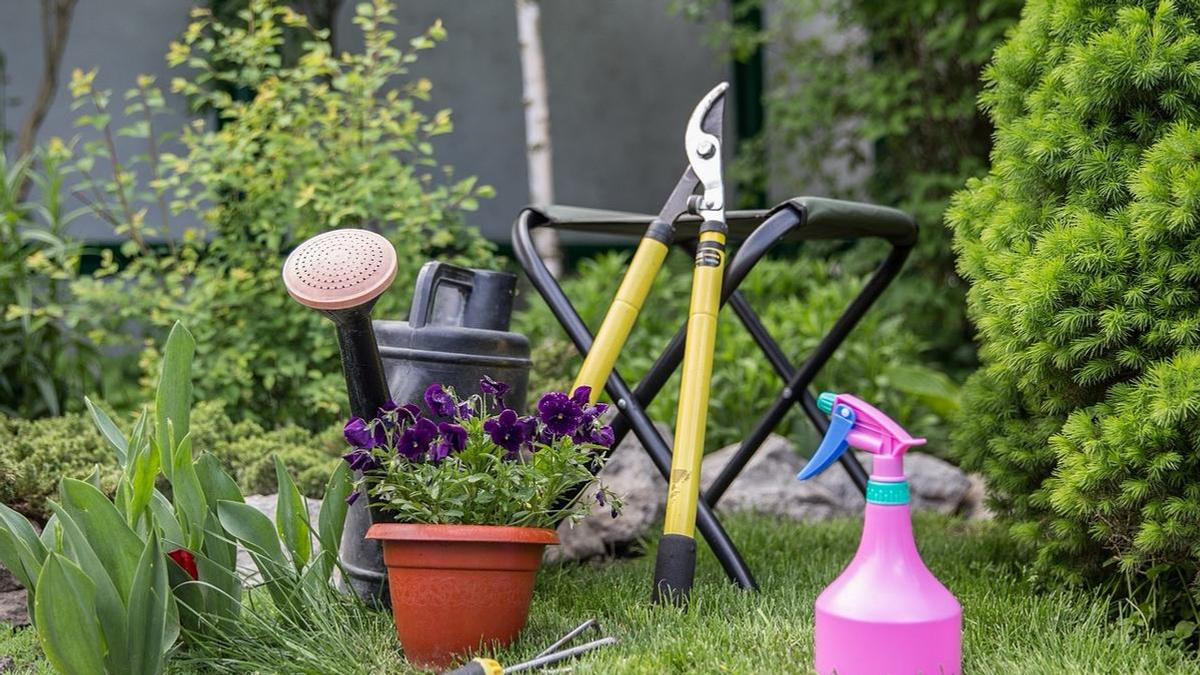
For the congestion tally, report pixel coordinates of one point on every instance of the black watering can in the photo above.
(457, 332)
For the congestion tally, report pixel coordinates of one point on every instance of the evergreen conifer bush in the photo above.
(1082, 249)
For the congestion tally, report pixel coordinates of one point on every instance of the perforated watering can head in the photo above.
(340, 270)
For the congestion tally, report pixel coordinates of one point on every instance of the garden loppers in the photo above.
(886, 613)
(676, 563)
(650, 254)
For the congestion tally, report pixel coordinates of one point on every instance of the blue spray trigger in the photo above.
(841, 422)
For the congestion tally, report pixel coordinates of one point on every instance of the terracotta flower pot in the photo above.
(455, 588)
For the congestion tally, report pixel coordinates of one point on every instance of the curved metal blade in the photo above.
(702, 141)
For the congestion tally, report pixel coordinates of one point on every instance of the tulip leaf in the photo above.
(188, 496)
(21, 550)
(256, 532)
(332, 519)
(110, 605)
(117, 546)
(217, 484)
(146, 465)
(93, 478)
(65, 612)
(168, 524)
(173, 399)
(218, 569)
(108, 430)
(249, 526)
(291, 517)
(148, 612)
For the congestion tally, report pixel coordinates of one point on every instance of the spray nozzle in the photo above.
(856, 423)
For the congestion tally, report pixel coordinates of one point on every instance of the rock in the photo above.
(631, 475)
(768, 484)
(14, 609)
(8, 582)
(975, 502)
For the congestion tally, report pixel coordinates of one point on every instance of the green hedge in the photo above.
(798, 300)
(36, 454)
(1082, 246)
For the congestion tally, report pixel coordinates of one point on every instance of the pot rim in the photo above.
(482, 533)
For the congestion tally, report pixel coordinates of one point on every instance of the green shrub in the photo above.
(246, 450)
(35, 454)
(47, 363)
(798, 300)
(42, 451)
(1082, 250)
(317, 142)
(875, 100)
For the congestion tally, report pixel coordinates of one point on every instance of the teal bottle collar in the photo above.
(888, 494)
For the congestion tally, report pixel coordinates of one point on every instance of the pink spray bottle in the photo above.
(886, 613)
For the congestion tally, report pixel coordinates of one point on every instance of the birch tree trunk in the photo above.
(538, 157)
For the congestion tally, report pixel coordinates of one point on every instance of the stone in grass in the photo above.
(14, 610)
(631, 475)
(766, 485)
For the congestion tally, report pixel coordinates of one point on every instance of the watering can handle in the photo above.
(432, 276)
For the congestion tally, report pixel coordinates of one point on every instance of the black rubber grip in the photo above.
(675, 569)
(661, 231)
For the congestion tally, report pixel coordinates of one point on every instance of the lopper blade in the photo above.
(702, 142)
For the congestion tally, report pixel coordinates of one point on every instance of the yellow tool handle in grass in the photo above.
(676, 564)
(621, 316)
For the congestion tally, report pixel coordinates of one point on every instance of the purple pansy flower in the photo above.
(559, 413)
(361, 460)
(404, 414)
(600, 497)
(454, 439)
(440, 402)
(509, 431)
(409, 413)
(582, 395)
(360, 434)
(415, 440)
(464, 411)
(494, 387)
(602, 436)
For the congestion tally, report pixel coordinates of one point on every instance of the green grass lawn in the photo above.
(1011, 627)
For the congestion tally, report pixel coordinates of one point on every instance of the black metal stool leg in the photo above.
(798, 380)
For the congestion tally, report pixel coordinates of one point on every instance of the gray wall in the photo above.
(624, 75)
